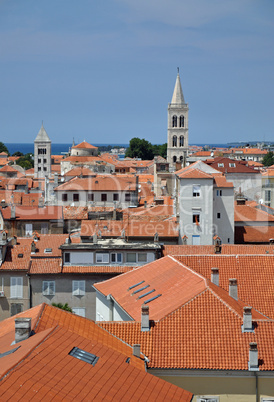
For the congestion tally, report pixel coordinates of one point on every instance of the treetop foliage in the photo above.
(143, 149)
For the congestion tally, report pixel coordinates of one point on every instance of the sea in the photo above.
(62, 149)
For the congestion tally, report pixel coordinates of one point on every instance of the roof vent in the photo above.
(20, 255)
(253, 364)
(247, 320)
(136, 350)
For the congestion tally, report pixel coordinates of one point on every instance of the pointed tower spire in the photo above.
(178, 97)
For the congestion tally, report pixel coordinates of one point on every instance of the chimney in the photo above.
(215, 276)
(253, 363)
(241, 201)
(12, 212)
(136, 350)
(94, 238)
(271, 241)
(144, 318)
(33, 247)
(233, 288)
(68, 239)
(22, 329)
(55, 179)
(247, 319)
(145, 204)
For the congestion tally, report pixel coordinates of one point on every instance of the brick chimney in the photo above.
(22, 329)
(247, 319)
(136, 350)
(253, 364)
(215, 276)
(233, 288)
(144, 318)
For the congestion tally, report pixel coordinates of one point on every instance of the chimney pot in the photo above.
(145, 318)
(215, 276)
(22, 329)
(136, 350)
(253, 357)
(233, 288)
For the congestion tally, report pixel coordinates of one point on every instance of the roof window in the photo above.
(9, 352)
(84, 356)
(145, 294)
(48, 250)
(137, 284)
(20, 255)
(139, 290)
(153, 298)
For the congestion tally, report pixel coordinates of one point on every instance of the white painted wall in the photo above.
(224, 204)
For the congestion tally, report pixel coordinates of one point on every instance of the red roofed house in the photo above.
(193, 332)
(205, 204)
(48, 353)
(268, 187)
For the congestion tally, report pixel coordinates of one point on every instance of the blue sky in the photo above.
(104, 71)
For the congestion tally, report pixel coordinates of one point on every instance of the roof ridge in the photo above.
(225, 303)
(188, 268)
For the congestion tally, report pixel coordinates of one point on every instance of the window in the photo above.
(220, 165)
(16, 308)
(45, 161)
(102, 258)
(196, 218)
(48, 288)
(267, 195)
(174, 141)
(142, 257)
(44, 228)
(181, 141)
(196, 240)
(45, 169)
(196, 190)
(39, 160)
(39, 168)
(174, 121)
(78, 288)
(207, 398)
(174, 158)
(127, 197)
(131, 257)
(16, 287)
(219, 193)
(79, 311)
(218, 215)
(28, 229)
(104, 197)
(76, 197)
(232, 165)
(64, 197)
(90, 197)
(228, 239)
(115, 197)
(67, 257)
(84, 356)
(116, 257)
(182, 121)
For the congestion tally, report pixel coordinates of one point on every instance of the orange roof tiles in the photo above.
(220, 181)
(193, 174)
(254, 234)
(165, 276)
(49, 371)
(100, 183)
(80, 171)
(29, 213)
(84, 145)
(254, 274)
(78, 213)
(246, 213)
(17, 257)
(45, 266)
(133, 228)
(186, 249)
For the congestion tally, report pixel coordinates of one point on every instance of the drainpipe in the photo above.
(257, 391)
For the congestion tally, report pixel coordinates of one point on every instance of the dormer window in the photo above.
(232, 165)
(220, 165)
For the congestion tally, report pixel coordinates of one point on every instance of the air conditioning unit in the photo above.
(2, 294)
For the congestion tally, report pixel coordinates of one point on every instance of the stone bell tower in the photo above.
(42, 154)
(177, 126)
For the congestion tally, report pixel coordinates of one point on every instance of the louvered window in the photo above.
(78, 288)
(16, 287)
(48, 288)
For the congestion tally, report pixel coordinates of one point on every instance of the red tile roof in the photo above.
(100, 183)
(231, 165)
(254, 274)
(253, 234)
(84, 145)
(186, 250)
(246, 213)
(133, 228)
(29, 213)
(46, 266)
(193, 174)
(47, 370)
(78, 213)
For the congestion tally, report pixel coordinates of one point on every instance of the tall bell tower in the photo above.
(177, 126)
(42, 154)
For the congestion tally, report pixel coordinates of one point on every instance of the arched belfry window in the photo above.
(174, 158)
(182, 121)
(181, 141)
(174, 141)
(174, 121)
(181, 158)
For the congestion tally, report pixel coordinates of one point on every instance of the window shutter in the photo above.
(13, 287)
(81, 288)
(19, 286)
(75, 287)
(45, 288)
(52, 288)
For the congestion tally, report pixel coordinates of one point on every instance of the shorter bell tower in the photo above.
(42, 154)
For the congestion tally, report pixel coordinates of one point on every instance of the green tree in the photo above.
(25, 161)
(139, 149)
(160, 150)
(62, 306)
(3, 148)
(268, 159)
(17, 153)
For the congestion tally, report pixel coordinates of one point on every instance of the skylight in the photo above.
(147, 293)
(137, 284)
(153, 298)
(84, 356)
(9, 352)
(140, 290)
